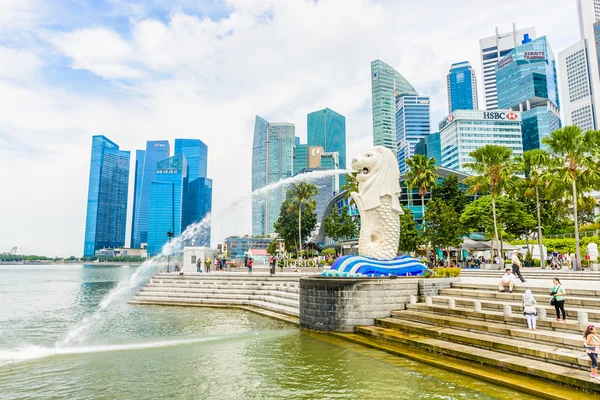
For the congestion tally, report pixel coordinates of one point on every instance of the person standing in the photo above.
(592, 347)
(516, 266)
(246, 261)
(558, 300)
(508, 280)
(529, 309)
(250, 262)
(224, 264)
(199, 266)
(207, 263)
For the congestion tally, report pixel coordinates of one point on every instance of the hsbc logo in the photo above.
(450, 118)
(498, 115)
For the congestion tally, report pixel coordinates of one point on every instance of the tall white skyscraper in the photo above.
(492, 49)
(579, 72)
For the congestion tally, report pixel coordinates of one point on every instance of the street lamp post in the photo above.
(169, 235)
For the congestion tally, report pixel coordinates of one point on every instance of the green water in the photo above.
(151, 352)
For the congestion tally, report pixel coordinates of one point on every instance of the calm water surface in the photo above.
(151, 352)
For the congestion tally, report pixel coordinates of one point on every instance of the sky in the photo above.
(138, 70)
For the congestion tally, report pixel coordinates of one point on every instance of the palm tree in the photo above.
(574, 168)
(422, 174)
(493, 165)
(302, 193)
(533, 164)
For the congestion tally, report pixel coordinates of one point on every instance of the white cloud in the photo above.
(17, 64)
(205, 78)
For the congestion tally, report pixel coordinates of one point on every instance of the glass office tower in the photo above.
(156, 150)
(430, 146)
(327, 129)
(199, 204)
(386, 84)
(106, 215)
(137, 188)
(272, 161)
(413, 122)
(462, 87)
(526, 82)
(196, 155)
(168, 195)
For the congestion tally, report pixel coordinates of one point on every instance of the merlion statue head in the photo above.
(377, 176)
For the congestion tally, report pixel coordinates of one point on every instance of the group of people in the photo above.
(556, 260)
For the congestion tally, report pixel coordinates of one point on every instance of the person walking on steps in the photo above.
(592, 348)
(516, 266)
(508, 280)
(529, 309)
(250, 262)
(558, 300)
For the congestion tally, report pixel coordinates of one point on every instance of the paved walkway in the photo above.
(537, 282)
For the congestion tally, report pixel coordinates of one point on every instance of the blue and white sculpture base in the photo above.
(359, 266)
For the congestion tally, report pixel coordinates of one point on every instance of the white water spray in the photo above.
(144, 272)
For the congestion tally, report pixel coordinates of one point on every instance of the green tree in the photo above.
(450, 192)
(493, 166)
(340, 225)
(271, 248)
(421, 174)
(444, 229)
(533, 164)
(410, 238)
(287, 223)
(302, 194)
(574, 169)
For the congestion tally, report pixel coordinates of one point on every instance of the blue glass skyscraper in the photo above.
(107, 196)
(462, 87)
(413, 122)
(526, 81)
(272, 161)
(168, 196)
(430, 146)
(137, 188)
(196, 155)
(199, 204)
(156, 151)
(327, 129)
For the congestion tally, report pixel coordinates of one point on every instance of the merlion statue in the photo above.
(378, 180)
(378, 202)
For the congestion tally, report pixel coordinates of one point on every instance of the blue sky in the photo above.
(162, 69)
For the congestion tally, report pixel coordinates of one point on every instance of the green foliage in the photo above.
(450, 193)
(340, 225)
(351, 184)
(450, 272)
(562, 245)
(328, 252)
(421, 173)
(410, 238)
(287, 223)
(444, 228)
(271, 248)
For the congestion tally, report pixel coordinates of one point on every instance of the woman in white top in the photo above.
(529, 309)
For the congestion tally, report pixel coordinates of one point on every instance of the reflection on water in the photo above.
(151, 352)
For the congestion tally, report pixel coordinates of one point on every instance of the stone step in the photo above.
(231, 277)
(572, 341)
(519, 288)
(572, 301)
(517, 307)
(521, 365)
(535, 274)
(544, 352)
(185, 289)
(225, 286)
(214, 302)
(222, 297)
(494, 316)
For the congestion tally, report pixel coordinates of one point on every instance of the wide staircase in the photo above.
(278, 293)
(470, 321)
(535, 273)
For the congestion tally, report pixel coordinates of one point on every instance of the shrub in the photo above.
(451, 272)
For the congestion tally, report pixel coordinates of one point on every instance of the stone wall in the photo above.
(431, 287)
(340, 304)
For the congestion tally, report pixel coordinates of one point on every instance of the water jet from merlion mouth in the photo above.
(144, 272)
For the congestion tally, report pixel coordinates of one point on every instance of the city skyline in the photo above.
(150, 82)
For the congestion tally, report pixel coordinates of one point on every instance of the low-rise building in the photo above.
(238, 246)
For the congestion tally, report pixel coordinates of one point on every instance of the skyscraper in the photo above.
(466, 130)
(492, 49)
(196, 155)
(462, 87)
(300, 158)
(168, 195)
(137, 188)
(430, 146)
(413, 122)
(156, 150)
(386, 84)
(107, 196)
(580, 72)
(327, 129)
(526, 82)
(272, 160)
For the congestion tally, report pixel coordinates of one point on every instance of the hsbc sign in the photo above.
(501, 115)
